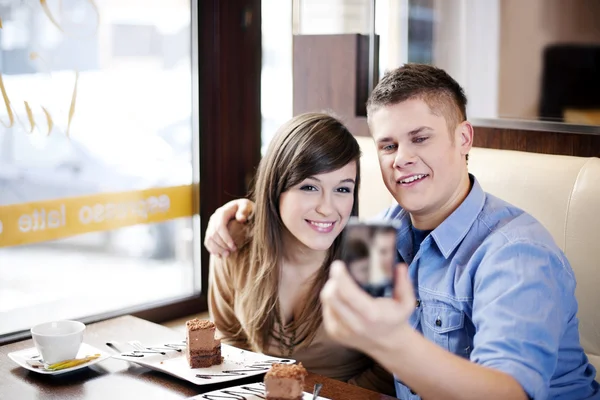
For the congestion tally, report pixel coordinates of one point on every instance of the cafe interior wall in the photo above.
(526, 28)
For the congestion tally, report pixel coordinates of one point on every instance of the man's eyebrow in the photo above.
(413, 132)
(418, 130)
(385, 140)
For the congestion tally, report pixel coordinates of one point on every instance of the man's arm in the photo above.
(379, 328)
(524, 298)
(435, 373)
(223, 236)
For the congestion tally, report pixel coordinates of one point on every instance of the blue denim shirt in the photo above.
(493, 287)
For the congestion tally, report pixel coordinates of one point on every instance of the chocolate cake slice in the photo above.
(202, 349)
(285, 382)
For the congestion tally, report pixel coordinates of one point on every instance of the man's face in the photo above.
(422, 164)
(383, 251)
(384, 245)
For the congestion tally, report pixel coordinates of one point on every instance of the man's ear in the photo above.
(464, 137)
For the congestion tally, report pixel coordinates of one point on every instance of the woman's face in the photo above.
(317, 209)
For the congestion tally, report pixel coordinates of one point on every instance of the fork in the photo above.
(317, 390)
(139, 348)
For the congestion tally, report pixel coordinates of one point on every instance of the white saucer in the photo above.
(29, 358)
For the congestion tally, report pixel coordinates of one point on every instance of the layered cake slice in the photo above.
(202, 349)
(285, 382)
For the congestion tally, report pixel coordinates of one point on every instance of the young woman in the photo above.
(265, 296)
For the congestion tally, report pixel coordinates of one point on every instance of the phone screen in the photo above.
(370, 255)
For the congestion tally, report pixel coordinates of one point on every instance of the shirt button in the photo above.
(418, 303)
(438, 322)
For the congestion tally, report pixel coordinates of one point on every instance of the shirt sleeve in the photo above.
(523, 297)
(221, 300)
(375, 378)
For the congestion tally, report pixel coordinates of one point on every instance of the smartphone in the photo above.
(370, 254)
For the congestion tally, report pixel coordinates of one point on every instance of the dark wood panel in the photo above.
(331, 74)
(569, 144)
(230, 118)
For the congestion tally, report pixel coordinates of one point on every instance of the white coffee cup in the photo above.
(59, 340)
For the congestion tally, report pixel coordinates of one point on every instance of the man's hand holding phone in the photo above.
(370, 324)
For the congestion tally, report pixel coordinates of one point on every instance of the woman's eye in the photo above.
(308, 188)
(420, 139)
(344, 190)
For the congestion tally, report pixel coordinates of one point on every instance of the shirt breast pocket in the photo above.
(445, 326)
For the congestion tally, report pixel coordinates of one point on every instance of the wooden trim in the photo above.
(532, 125)
(179, 309)
(546, 142)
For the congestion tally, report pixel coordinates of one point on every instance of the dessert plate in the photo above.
(170, 358)
(254, 391)
(30, 359)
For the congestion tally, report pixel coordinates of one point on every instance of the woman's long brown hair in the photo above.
(307, 145)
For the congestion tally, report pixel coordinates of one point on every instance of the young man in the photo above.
(486, 307)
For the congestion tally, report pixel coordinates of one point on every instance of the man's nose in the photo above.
(404, 157)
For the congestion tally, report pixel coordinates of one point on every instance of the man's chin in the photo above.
(414, 205)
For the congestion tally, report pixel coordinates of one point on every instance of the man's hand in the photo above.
(358, 320)
(218, 239)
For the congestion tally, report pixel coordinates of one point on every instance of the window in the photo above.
(276, 74)
(97, 132)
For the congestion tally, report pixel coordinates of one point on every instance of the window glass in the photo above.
(96, 157)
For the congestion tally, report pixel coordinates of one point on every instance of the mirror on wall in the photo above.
(534, 60)
(527, 60)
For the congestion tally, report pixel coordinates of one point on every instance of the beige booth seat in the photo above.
(562, 192)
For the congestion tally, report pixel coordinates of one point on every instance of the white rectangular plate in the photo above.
(253, 391)
(170, 359)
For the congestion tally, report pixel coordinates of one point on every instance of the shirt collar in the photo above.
(453, 229)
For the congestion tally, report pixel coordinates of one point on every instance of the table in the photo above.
(115, 379)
